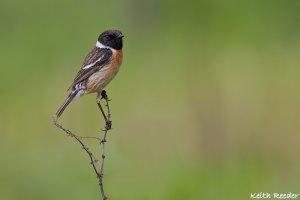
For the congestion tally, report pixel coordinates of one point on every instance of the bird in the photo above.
(99, 67)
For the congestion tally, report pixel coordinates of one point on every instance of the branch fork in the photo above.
(93, 161)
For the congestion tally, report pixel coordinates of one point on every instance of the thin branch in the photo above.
(89, 137)
(108, 125)
(93, 160)
(78, 139)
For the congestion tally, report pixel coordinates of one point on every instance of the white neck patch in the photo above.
(100, 45)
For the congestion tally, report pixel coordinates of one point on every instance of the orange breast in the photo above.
(117, 58)
(100, 79)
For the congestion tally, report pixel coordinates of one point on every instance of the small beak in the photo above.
(121, 36)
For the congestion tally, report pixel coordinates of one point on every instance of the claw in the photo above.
(103, 94)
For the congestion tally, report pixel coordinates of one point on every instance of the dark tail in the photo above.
(66, 103)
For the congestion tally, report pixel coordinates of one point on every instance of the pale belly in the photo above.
(100, 79)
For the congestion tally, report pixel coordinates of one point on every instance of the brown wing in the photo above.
(94, 61)
(92, 56)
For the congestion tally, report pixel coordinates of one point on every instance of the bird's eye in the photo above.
(108, 37)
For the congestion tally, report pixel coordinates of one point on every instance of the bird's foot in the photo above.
(104, 95)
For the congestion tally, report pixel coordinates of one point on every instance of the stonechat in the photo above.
(99, 67)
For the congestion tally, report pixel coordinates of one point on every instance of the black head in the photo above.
(111, 38)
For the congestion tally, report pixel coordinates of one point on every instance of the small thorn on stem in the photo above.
(108, 124)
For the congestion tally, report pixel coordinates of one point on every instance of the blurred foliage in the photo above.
(206, 105)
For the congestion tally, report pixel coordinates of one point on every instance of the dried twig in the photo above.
(108, 124)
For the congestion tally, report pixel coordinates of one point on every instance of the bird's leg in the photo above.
(99, 97)
(108, 122)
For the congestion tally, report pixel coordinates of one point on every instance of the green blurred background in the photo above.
(205, 106)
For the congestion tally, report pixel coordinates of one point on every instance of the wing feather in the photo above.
(93, 62)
